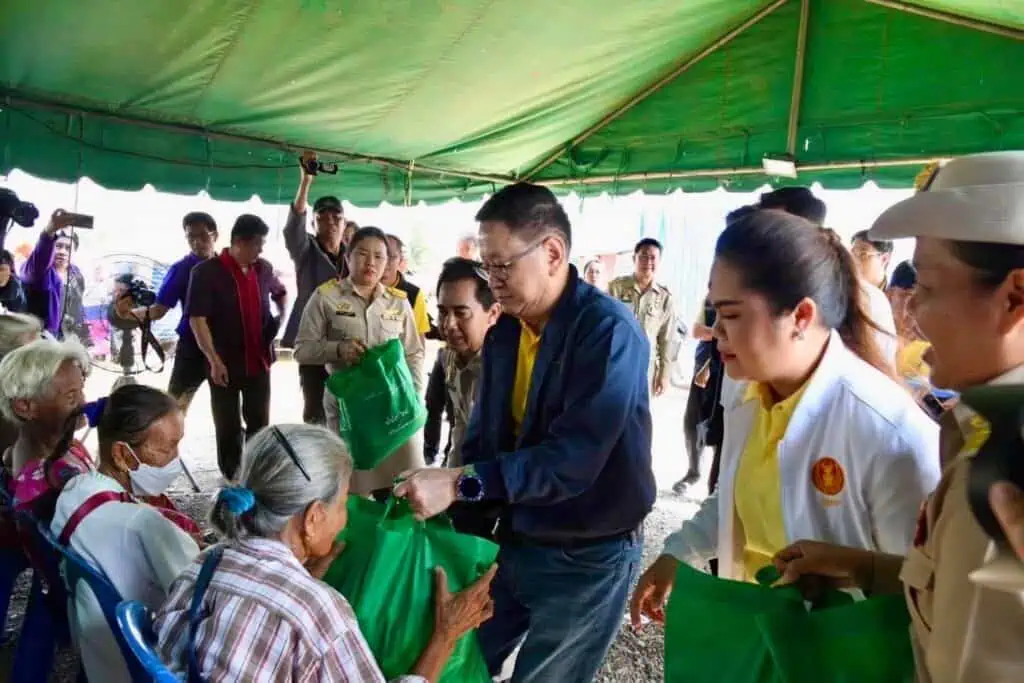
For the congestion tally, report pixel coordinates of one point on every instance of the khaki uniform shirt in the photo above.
(336, 313)
(962, 632)
(460, 380)
(656, 312)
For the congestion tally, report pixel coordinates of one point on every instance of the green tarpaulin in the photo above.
(217, 95)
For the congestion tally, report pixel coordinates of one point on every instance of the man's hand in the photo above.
(660, 384)
(307, 158)
(218, 372)
(430, 491)
(1008, 505)
(59, 220)
(351, 351)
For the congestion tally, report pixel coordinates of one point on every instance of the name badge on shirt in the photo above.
(345, 309)
(392, 316)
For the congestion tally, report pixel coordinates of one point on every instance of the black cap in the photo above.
(328, 203)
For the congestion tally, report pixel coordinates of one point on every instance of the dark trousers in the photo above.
(691, 418)
(312, 379)
(254, 393)
(187, 375)
(567, 602)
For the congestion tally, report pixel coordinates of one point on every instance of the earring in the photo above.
(800, 334)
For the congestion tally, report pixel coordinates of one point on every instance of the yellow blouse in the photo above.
(758, 491)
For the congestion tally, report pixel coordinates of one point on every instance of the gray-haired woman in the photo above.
(264, 615)
(16, 330)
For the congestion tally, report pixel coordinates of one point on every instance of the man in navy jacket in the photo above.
(559, 447)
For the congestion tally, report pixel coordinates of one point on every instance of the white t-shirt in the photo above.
(138, 549)
(880, 311)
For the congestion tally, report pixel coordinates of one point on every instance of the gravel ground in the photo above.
(635, 657)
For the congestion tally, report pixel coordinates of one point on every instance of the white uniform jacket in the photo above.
(857, 460)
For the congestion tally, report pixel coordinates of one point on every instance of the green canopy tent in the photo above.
(433, 99)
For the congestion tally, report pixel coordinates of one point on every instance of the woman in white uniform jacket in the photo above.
(857, 455)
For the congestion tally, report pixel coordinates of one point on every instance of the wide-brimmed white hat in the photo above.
(976, 198)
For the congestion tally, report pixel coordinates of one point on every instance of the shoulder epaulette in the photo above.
(395, 291)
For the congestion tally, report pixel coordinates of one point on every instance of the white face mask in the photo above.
(152, 481)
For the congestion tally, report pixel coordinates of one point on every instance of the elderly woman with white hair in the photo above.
(16, 330)
(263, 614)
(42, 389)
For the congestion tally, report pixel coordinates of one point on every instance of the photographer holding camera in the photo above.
(318, 259)
(54, 286)
(189, 371)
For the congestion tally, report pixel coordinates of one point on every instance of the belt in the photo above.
(506, 535)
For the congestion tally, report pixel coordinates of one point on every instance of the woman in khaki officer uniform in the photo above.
(967, 625)
(342, 319)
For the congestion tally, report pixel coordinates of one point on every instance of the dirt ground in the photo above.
(636, 657)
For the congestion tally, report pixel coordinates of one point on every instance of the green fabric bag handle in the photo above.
(397, 508)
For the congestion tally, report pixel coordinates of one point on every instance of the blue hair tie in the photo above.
(94, 411)
(238, 499)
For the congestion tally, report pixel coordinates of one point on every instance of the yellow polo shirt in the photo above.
(758, 491)
(910, 360)
(529, 342)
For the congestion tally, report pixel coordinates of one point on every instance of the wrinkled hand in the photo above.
(307, 156)
(318, 566)
(430, 491)
(843, 567)
(1008, 505)
(59, 220)
(652, 591)
(351, 351)
(218, 372)
(457, 614)
(660, 384)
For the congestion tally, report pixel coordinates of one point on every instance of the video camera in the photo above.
(316, 167)
(12, 209)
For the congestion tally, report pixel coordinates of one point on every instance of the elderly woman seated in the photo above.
(264, 614)
(16, 330)
(42, 391)
(141, 548)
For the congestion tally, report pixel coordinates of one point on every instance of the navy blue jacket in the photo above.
(581, 467)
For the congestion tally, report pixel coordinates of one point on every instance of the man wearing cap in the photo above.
(652, 305)
(318, 258)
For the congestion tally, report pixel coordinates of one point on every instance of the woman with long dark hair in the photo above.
(969, 304)
(822, 442)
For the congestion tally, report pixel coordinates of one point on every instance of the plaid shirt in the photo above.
(266, 619)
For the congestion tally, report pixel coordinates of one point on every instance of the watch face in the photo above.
(470, 488)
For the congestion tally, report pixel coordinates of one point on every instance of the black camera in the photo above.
(13, 209)
(135, 288)
(314, 167)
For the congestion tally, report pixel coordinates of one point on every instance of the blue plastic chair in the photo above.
(77, 569)
(136, 626)
(45, 625)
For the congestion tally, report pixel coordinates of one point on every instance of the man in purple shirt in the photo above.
(189, 370)
(53, 285)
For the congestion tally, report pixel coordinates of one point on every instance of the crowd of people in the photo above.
(821, 385)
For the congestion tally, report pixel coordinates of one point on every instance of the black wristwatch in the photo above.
(469, 487)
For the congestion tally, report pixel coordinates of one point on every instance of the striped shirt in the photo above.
(265, 618)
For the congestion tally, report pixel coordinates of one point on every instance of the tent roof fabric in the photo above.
(434, 99)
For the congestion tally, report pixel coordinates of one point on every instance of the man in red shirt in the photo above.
(229, 311)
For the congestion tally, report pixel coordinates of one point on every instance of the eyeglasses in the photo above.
(501, 271)
(290, 451)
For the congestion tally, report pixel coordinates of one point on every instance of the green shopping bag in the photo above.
(378, 406)
(386, 573)
(734, 632)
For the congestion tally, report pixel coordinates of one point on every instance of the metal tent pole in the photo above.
(949, 18)
(654, 87)
(798, 78)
